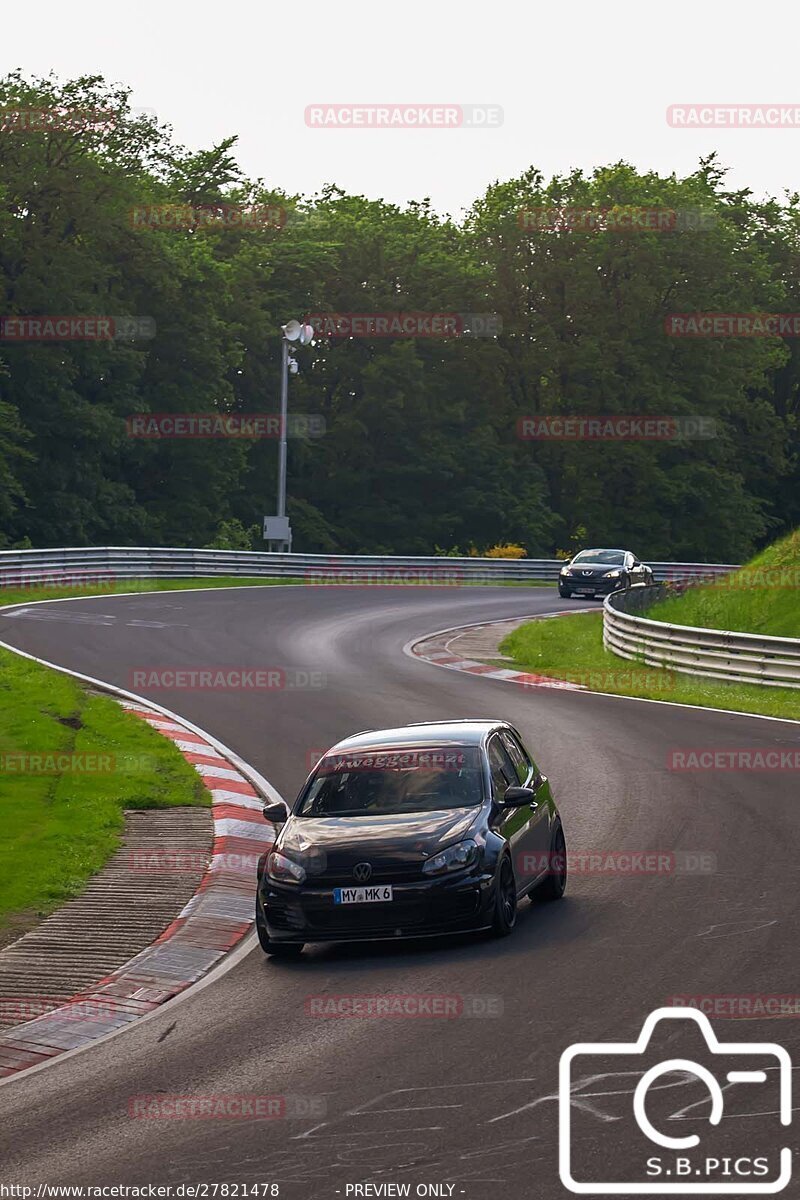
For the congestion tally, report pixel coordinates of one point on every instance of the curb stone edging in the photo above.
(214, 920)
(414, 651)
(435, 650)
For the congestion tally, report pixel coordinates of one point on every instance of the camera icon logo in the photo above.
(704, 1161)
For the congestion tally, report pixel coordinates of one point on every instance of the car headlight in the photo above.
(283, 870)
(566, 571)
(612, 574)
(455, 858)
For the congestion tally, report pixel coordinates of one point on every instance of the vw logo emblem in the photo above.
(362, 872)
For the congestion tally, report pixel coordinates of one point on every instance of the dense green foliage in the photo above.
(421, 447)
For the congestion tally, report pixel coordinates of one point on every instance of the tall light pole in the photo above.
(277, 528)
(284, 414)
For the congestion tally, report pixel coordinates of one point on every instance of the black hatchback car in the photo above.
(411, 832)
(600, 572)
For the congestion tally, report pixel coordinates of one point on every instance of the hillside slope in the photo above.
(763, 597)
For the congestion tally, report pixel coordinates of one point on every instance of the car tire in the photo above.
(505, 900)
(274, 949)
(554, 886)
(564, 593)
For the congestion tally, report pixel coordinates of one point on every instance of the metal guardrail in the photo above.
(742, 657)
(22, 568)
(713, 653)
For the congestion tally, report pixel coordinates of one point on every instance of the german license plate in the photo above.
(362, 895)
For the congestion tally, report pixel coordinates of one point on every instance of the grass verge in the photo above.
(61, 825)
(762, 597)
(571, 648)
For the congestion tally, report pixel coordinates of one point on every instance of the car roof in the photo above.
(603, 550)
(468, 732)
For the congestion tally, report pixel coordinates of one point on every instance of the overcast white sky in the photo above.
(581, 83)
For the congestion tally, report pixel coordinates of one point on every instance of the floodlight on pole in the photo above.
(295, 331)
(303, 334)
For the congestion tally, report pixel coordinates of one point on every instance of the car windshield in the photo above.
(608, 558)
(386, 782)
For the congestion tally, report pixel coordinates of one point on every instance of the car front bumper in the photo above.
(421, 909)
(598, 587)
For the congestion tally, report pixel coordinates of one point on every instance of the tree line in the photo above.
(556, 296)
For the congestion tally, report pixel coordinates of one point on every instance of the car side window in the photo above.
(503, 773)
(522, 764)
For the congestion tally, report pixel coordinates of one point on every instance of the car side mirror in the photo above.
(516, 797)
(277, 812)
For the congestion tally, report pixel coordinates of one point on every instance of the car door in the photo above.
(537, 836)
(513, 823)
(637, 570)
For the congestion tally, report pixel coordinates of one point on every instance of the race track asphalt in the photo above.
(470, 1102)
